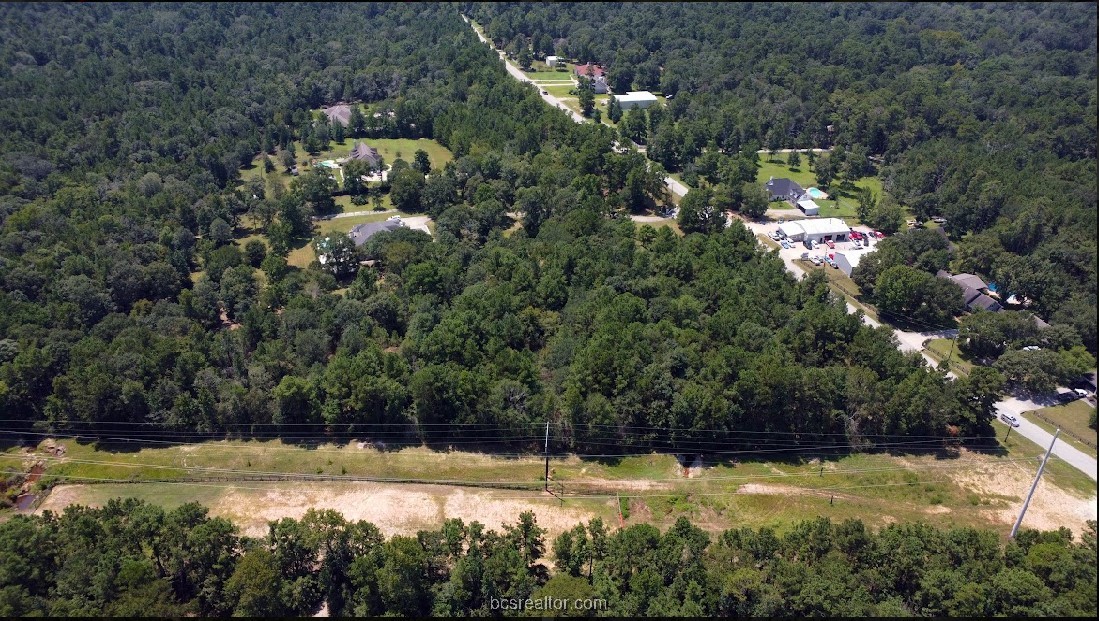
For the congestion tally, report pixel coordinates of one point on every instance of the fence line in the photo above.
(1063, 430)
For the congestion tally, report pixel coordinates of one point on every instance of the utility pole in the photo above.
(547, 455)
(1015, 529)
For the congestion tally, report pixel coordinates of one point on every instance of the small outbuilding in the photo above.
(848, 260)
(809, 207)
(551, 61)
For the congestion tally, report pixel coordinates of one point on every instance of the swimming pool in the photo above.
(815, 193)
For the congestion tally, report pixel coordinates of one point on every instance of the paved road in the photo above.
(1016, 406)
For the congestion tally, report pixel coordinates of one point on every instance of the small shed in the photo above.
(809, 207)
(551, 61)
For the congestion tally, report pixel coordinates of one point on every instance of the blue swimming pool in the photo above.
(815, 193)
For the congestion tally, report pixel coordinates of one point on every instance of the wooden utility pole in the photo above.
(1034, 486)
(547, 455)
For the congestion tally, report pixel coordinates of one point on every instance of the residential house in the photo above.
(784, 190)
(367, 154)
(339, 113)
(974, 291)
(362, 232)
(596, 75)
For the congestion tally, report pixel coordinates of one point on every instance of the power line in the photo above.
(789, 448)
(517, 494)
(351, 478)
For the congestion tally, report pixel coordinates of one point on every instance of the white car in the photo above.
(815, 260)
(1010, 420)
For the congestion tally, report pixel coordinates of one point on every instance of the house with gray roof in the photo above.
(362, 232)
(339, 113)
(367, 154)
(784, 190)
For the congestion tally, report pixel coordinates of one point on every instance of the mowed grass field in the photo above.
(841, 202)
(389, 148)
(960, 488)
(1072, 419)
(941, 348)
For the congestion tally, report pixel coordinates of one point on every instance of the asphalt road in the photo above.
(1016, 406)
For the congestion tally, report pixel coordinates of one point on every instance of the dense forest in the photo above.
(135, 559)
(984, 114)
(128, 309)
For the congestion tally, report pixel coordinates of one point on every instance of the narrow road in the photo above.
(518, 74)
(676, 187)
(1015, 406)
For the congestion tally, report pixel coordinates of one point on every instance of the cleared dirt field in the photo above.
(395, 509)
(969, 490)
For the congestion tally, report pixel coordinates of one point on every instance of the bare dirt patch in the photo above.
(1051, 507)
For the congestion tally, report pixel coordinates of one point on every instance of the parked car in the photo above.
(855, 235)
(805, 256)
(545, 92)
(1067, 397)
(831, 244)
(831, 261)
(815, 260)
(809, 244)
(1009, 419)
(775, 235)
(879, 235)
(858, 244)
(938, 220)
(785, 244)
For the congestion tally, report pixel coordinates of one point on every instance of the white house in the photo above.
(551, 61)
(816, 230)
(635, 99)
(809, 207)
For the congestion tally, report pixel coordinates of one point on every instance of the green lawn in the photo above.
(558, 90)
(303, 256)
(841, 203)
(1072, 419)
(941, 348)
(779, 170)
(548, 74)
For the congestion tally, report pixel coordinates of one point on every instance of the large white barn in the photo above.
(635, 99)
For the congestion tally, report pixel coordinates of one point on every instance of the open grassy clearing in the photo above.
(939, 349)
(962, 488)
(544, 73)
(1072, 419)
(780, 170)
(559, 90)
(303, 255)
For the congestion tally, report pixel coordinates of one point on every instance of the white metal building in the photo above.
(848, 260)
(551, 61)
(635, 99)
(816, 230)
(809, 207)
